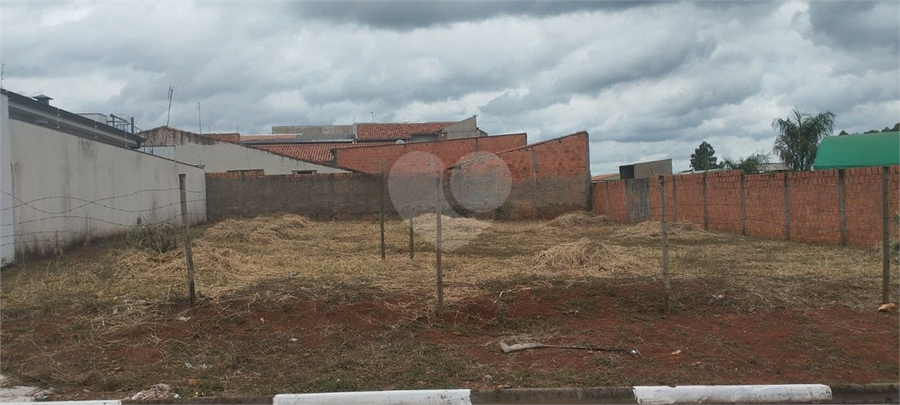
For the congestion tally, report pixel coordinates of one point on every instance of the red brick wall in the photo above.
(815, 213)
(813, 200)
(764, 199)
(863, 203)
(548, 178)
(610, 194)
(689, 197)
(368, 159)
(723, 198)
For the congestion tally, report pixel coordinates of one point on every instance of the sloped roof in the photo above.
(858, 150)
(319, 152)
(394, 131)
(606, 177)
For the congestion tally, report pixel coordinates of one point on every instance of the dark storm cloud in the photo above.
(405, 15)
(856, 25)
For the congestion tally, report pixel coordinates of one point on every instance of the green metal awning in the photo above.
(858, 150)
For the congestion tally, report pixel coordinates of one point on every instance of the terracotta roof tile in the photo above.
(369, 131)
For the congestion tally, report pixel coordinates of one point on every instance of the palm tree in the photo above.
(750, 165)
(799, 138)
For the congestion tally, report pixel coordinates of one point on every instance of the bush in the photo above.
(158, 238)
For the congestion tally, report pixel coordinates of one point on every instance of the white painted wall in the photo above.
(7, 235)
(219, 156)
(68, 189)
(224, 156)
(167, 152)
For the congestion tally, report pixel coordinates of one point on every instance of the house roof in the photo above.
(605, 177)
(319, 152)
(858, 150)
(394, 131)
(29, 109)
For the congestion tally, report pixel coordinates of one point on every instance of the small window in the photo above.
(303, 171)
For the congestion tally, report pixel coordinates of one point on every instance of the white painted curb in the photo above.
(425, 397)
(100, 402)
(732, 394)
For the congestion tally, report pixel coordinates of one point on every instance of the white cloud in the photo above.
(646, 81)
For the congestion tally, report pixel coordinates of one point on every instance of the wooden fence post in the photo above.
(411, 226)
(885, 238)
(437, 244)
(188, 255)
(665, 242)
(382, 208)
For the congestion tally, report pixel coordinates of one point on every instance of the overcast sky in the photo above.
(646, 80)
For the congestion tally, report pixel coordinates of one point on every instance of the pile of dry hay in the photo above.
(258, 230)
(588, 254)
(576, 219)
(455, 231)
(653, 229)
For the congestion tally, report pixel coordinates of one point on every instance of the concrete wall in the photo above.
(219, 156)
(466, 128)
(7, 233)
(368, 159)
(329, 196)
(646, 169)
(69, 189)
(317, 132)
(800, 206)
(548, 178)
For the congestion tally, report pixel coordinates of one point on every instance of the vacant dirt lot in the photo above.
(291, 305)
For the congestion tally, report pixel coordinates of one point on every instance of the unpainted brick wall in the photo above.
(320, 196)
(368, 159)
(548, 178)
(810, 214)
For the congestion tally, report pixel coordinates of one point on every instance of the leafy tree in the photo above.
(843, 132)
(896, 127)
(749, 165)
(799, 136)
(871, 131)
(704, 157)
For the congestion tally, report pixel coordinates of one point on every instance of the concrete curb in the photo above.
(733, 394)
(607, 395)
(840, 394)
(424, 397)
(862, 393)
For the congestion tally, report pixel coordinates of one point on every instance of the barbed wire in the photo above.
(86, 202)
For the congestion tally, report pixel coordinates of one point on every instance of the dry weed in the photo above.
(675, 230)
(577, 219)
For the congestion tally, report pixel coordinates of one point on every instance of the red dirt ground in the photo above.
(244, 347)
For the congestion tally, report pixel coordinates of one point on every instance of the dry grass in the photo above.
(577, 219)
(117, 283)
(675, 230)
(455, 231)
(589, 255)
